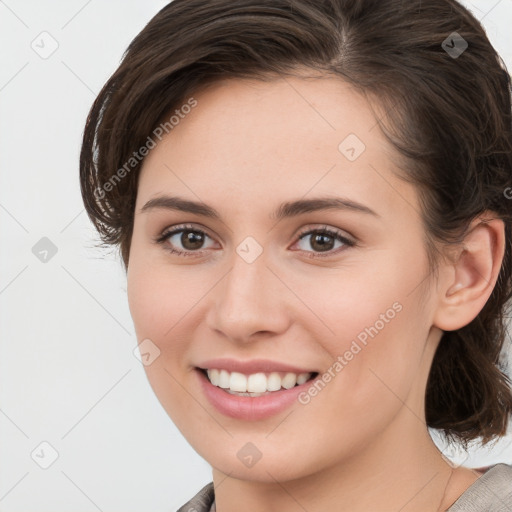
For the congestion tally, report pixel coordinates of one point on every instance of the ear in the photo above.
(468, 280)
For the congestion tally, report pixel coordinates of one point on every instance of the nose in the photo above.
(249, 302)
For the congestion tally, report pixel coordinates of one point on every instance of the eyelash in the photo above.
(325, 230)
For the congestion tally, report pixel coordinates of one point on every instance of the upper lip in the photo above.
(251, 366)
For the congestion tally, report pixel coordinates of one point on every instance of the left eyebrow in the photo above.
(292, 208)
(285, 210)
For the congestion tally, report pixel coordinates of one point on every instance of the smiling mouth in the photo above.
(255, 384)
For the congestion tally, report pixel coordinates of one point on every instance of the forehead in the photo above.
(253, 141)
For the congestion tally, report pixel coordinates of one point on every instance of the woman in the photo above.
(312, 203)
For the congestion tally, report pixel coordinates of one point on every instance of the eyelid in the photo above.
(337, 233)
(173, 230)
(325, 227)
(166, 232)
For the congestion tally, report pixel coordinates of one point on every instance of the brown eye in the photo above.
(192, 240)
(323, 241)
(185, 241)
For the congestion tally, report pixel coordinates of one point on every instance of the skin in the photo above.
(362, 443)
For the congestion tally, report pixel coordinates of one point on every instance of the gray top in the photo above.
(492, 492)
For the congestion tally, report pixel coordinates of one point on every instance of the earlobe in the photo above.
(472, 275)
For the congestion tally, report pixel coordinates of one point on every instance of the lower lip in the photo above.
(250, 408)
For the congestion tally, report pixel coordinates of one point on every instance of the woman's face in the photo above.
(262, 282)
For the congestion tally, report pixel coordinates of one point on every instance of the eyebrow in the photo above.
(285, 210)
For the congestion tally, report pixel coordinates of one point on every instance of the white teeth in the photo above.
(290, 379)
(245, 394)
(274, 382)
(255, 384)
(301, 378)
(223, 379)
(238, 382)
(213, 375)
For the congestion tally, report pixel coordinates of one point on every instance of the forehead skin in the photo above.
(285, 148)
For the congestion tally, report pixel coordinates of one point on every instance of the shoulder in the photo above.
(201, 502)
(492, 491)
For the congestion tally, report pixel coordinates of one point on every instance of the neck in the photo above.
(401, 470)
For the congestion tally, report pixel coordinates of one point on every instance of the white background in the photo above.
(68, 374)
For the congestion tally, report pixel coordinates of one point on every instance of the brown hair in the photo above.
(447, 114)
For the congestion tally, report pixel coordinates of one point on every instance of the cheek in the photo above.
(158, 303)
(159, 297)
(380, 327)
(164, 304)
(375, 367)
